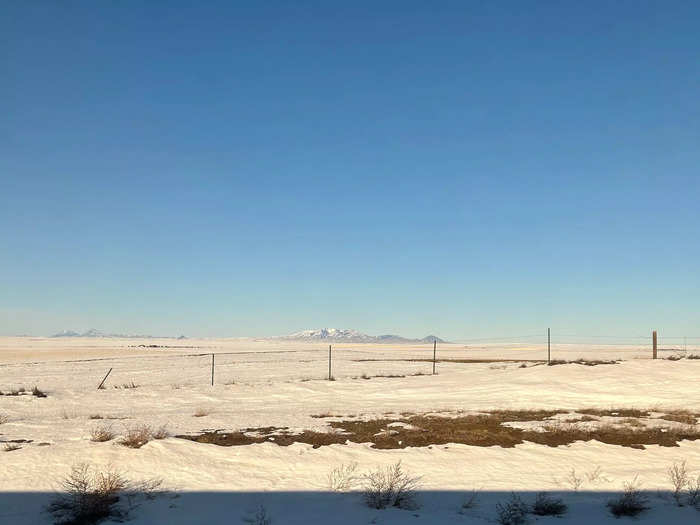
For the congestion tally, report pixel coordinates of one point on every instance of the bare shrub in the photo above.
(161, 432)
(471, 501)
(574, 480)
(678, 476)
(596, 476)
(343, 478)
(136, 436)
(631, 503)
(38, 393)
(90, 495)
(391, 487)
(694, 493)
(513, 512)
(546, 505)
(260, 518)
(95, 416)
(9, 447)
(693, 356)
(102, 434)
(201, 412)
(4, 418)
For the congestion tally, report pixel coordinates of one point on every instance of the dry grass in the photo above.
(201, 412)
(161, 432)
(681, 416)
(102, 434)
(126, 386)
(136, 436)
(91, 496)
(477, 430)
(546, 505)
(391, 487)
(343, 478)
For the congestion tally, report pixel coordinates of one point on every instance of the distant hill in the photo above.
(342, 335)
(99, 333)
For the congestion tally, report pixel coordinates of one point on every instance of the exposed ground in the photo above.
(493, 426)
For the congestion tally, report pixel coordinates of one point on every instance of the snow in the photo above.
(281, 385)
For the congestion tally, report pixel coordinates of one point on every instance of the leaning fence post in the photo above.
(653, 338)
(212, 369)
(434, 353)
(329, 363)
(105, 379)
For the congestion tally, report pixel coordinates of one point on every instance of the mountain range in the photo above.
(342, 335)
(332, 335)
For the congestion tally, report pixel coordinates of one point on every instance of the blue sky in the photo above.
(462, 168)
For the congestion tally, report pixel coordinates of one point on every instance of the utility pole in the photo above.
(653, 337)
(549, 346)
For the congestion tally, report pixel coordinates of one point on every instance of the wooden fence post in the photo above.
(653, 337)
(434, 352)
(330, 376)
(212, 369)
(549, 346)
(105, 379)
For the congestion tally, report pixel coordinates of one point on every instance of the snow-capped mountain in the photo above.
(343, 335)
(99, 333)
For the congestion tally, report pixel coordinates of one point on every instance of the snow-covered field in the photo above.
(264, 383)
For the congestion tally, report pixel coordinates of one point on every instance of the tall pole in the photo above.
(653, 338)
(434, 353)
(212, 369)
(329, 363)
(549, 346)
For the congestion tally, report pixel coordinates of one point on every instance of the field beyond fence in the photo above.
(161, 362)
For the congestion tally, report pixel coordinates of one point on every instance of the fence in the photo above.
(163, 366)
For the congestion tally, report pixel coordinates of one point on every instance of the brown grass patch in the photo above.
(614, 412)
(477, 430)
(680, 416)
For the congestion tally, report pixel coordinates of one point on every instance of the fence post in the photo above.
(653, 338)
(105, 379)
(212, 369)
(329, 363)
(434, 352)
(549, 346)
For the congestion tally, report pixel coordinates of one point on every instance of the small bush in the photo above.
(9, 447)
(513, 512)
(693, 356)
(574, 480)
(161, 432)
(91, 495)
(137, 436)
(391, 487)
(678, 476)
(201, 412)
(471, 501)
(343, 478)
(631, 503)
(38, 393)
(260, 518)
(4, 418)
(95, 416)
(102, 434)
(547, 506)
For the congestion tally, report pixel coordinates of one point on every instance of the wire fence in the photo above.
(162, 366)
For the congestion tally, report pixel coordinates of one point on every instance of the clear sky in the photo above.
(461, 168)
